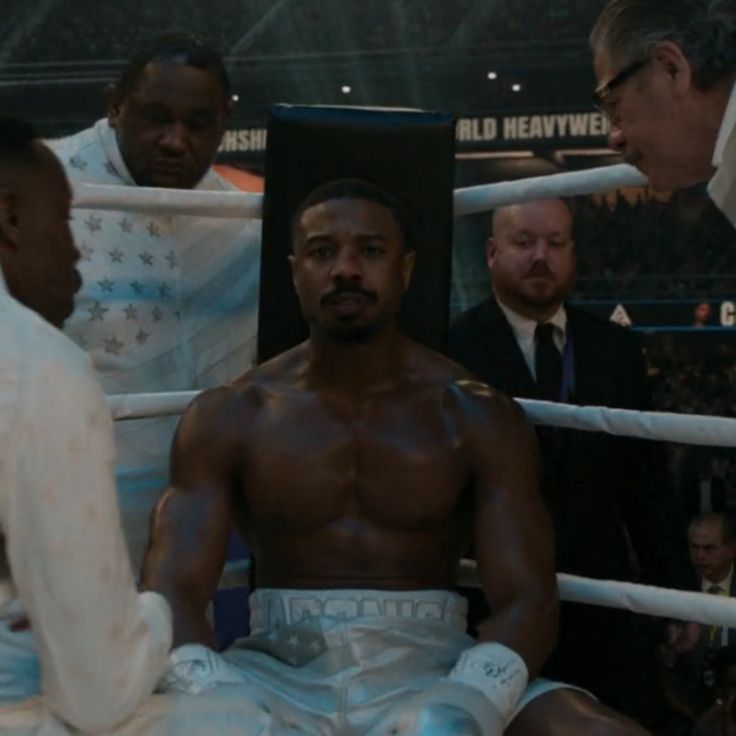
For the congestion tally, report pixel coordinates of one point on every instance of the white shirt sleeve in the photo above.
(102, 646)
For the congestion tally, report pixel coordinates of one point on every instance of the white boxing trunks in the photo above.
(336, 662)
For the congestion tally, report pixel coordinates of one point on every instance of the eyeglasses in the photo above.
(602, 92)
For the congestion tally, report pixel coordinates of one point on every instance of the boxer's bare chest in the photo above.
(392, 460)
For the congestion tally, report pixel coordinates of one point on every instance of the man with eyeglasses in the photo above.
(666, 73)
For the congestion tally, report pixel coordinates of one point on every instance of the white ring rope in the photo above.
(168, 201)
(487, 197)
(468, 200)
(691, 429)
(140, 406)
(687, 429)
(702, 608)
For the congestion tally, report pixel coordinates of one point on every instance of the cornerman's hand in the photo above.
(194, 668)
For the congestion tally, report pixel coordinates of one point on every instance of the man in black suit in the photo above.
(692, 650)
(613, 512)
(712, 541)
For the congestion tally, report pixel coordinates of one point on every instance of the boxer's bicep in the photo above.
(512, 532)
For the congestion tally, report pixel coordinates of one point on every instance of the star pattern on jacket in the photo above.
(97, 312)
(113, 345)
(93, 223)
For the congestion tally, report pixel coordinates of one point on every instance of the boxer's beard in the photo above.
(351, 333)
(345, 329)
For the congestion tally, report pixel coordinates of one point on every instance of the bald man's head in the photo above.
(37, 253)
(531, 256)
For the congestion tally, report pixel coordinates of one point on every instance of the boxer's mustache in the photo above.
(539, 269)
(340, 292)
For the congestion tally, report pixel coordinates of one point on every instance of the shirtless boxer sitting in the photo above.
(359, 466)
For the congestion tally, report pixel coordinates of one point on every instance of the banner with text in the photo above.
(481, 133)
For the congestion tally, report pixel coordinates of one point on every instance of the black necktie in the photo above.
(548, 363)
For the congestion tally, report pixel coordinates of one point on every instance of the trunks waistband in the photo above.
(273, 607)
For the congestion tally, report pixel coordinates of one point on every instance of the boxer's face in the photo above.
(39, 255)
(169, 126)
(350, 267)
(532, 257)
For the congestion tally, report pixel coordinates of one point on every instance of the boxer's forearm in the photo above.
(184, 562)
(528, 625)
(162, 574)
(190, 623)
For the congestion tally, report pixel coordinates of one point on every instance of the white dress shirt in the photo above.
(722, 187)
(101, 646)
(524, 328)
(168, 303)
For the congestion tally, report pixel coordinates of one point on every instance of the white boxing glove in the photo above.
(194, 668)
(496, 671)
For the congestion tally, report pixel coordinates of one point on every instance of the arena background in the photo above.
(516, 73)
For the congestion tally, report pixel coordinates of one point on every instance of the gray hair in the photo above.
(705, 30)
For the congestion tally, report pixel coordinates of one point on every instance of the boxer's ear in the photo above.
(114, 104)
(293, 266)
(407, 267)
(9, 229)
